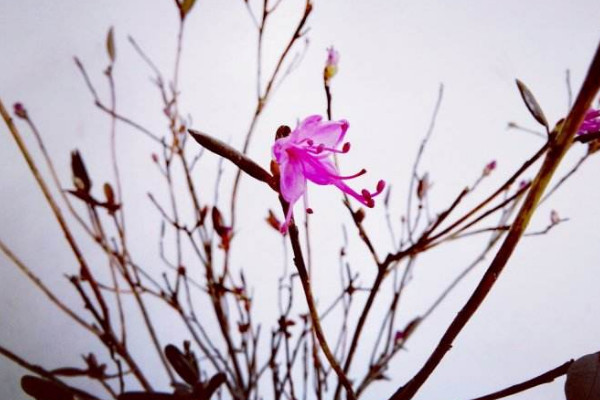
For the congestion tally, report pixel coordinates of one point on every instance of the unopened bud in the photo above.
(554, 217)
(109, 193)
(423, 186)
(20, 110)
(331, 64)
(491, 166)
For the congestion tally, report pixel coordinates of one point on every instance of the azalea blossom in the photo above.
(306, 154)
(591, 122)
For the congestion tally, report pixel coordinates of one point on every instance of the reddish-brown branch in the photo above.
(558, 148)
(304, 278)
(546, 377)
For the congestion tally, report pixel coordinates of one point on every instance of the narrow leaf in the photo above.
(43, 389)
(224, 150)
(81, 179)
(110, 45)
(532, 105)
(205, 391)
(181, 365)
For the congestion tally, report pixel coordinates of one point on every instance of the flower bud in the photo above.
(20, 110)
(491, 166)
(331, 64)
(554, 217)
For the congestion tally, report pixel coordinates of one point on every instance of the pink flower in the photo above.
(331, 64)
(306, 154)
(591, 122)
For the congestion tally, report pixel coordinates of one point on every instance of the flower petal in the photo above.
(292, 180)
(319, 170)
(330, 133)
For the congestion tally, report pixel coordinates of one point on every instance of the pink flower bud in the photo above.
(491, 166)
(20, 110)
(331, 64)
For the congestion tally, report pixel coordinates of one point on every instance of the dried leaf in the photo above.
(81, 179)
(583, 378)
(42, 389)
(532, 105)
(212, 385)
(243, 162)
(109, 194)
(110, 45)
(181, 365)
(273, 221)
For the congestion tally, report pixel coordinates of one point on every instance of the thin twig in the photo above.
(414, 176)
(544, 378)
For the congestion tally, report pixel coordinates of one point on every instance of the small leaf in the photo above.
(273, 221)
(42, 389)
(81, 179)
(186, 6)
(206, 390)
(583, 378)
(109, 193)
(532, 105)
(181, 365)
(110, 45)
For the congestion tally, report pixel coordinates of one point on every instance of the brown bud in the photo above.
(20, 110)
(282, 131)
(81, 179)
(359, 215)
(109, 194)
(273, 221)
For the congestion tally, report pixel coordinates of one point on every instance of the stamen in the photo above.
(321, 147)
(368, 198)
(356, 175)
(309, 210)
(380, 187)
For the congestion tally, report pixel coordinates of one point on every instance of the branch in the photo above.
(558, 148)
(304, 278)
(546, 377)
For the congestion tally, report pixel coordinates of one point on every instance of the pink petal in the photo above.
(292, 181)
(319, 170)
(330, 133)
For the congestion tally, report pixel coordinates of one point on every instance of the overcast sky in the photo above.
(394, 56)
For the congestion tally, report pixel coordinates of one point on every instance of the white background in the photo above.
(394, 55)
